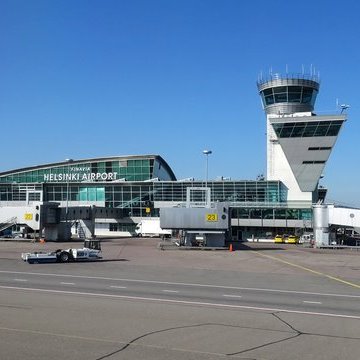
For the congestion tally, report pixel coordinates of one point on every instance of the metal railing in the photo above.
(293, 76)
(10, 222)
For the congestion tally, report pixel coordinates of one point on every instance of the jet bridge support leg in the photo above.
(321, 225)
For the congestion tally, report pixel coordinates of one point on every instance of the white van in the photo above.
(306, 238)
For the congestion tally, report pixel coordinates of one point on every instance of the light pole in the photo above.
(207, 153)
(67, 187)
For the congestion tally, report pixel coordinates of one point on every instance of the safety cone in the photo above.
(230, 247)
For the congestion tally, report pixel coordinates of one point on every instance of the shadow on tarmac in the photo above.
(256, 247)
(111, 260)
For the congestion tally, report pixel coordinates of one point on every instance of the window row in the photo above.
(310, 129)
(293, 94)
(271, 214)
(122, 227)
(223, 191)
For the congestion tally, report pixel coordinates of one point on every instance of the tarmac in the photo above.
(245, 256)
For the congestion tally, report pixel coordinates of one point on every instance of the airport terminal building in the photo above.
(137, 187)
(130, 188)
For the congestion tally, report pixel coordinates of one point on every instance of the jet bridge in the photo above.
(56, 222)
(326, 215)
(198, 219)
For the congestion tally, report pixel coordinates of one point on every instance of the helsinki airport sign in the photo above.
(81, 176)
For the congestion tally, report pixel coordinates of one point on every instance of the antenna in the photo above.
(344, 107)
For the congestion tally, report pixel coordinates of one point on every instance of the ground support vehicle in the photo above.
(293, 239)
(279, 239)
(90, 251)
(151, 228)
(306, 238)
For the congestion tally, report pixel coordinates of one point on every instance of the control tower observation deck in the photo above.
(299, 142)
(288, 94)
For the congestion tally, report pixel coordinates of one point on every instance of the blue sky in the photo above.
(81, 79)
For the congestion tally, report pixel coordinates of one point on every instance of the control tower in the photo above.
(299, 142)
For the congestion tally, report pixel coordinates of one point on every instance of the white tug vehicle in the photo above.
(90, 251)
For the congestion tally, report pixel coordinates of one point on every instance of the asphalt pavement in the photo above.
(139, 302)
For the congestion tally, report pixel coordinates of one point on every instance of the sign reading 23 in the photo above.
(211, 217)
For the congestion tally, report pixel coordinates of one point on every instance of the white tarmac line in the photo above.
(183, 302)
(312, 302)
(185, 284)
(118, 287)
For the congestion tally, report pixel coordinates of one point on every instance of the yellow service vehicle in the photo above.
(279, 239)
(293, 239)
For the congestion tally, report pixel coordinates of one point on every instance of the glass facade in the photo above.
(22, 193)
(63, 183)
(124, 193)
(137, 198)
(112, 182)
(307, 129)
(289, 94)
(134, 198)
(124, 227)
(271, 214)
(266, 192)
(95, 171)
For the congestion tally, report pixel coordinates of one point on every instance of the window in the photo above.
(243, 213)
(292, 214)
(255, 214)
(319, 148)
(321, 130)
(314, 162)
(333, 129)
(268, 214)
(269, 100)
(307, 95)
(298, 130)
(309, 129)
(295, 94)
(280, 213)
(281, 97)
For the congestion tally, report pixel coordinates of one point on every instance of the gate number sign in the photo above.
(211, 217)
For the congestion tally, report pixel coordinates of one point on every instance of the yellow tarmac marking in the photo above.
(307, 269)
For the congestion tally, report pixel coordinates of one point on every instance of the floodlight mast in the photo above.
(69, 161)
(207, 153)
